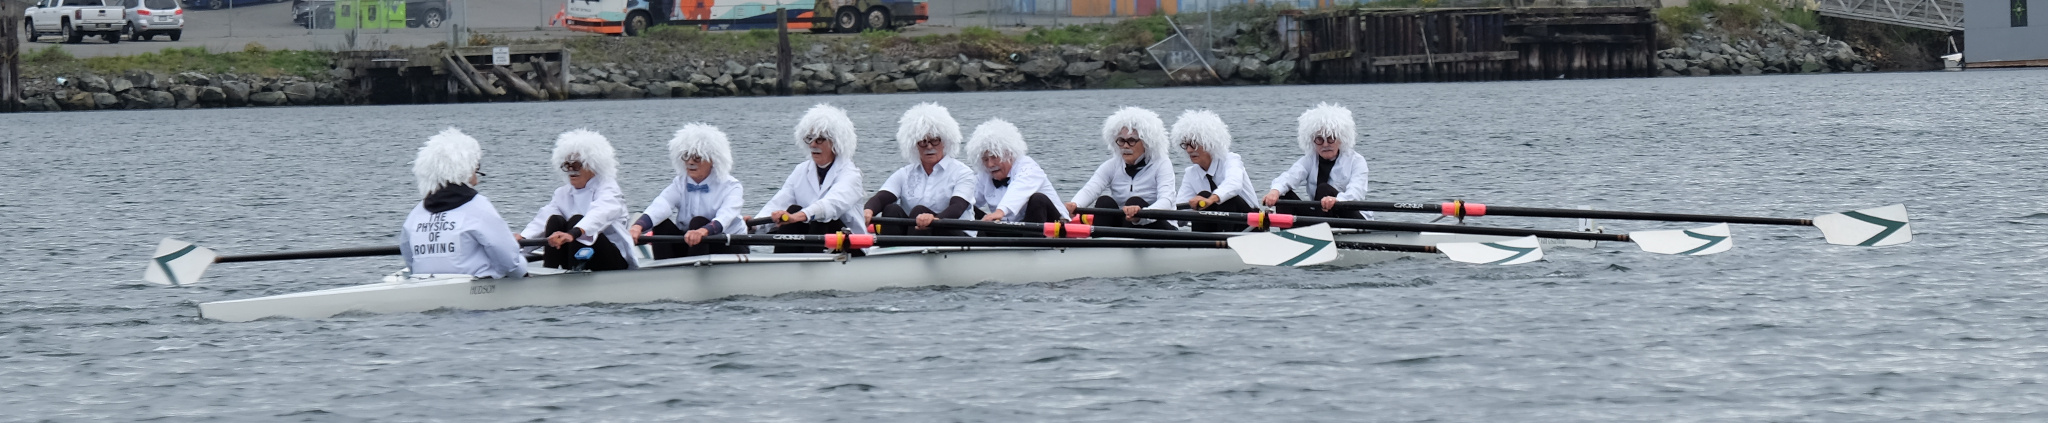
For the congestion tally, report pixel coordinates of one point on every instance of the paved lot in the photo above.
(271, 25)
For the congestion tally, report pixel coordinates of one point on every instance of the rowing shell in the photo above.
(726, 275)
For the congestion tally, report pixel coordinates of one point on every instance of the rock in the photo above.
(132, 99)
(1129, 62)
(1082, 68)
(326, 94)
(994, 67)
(622, 92)
(972, 70)
(658, 90)
(92, 84)
(1673, 65)
(1810, 65)
(1250, 68)
(824, 68)
(184, 96)
(882, 65)
(949, 68)
(1042, 67)
(43, 103)
(734, 68)
(1698, 72)
(81, 100)
(237, 93)
(1225, 68)
(195, 78)
(700, 79)
(161, 100)
(905, 85)
(268, 98)
(934, 82)
(1709, 56)
(598, 74)
(799, 87)
(212, 96)
(1752, 70)
(968, 83)
(302, 93)
(581, 90)
(1667, 72)
(1280, 71)
(106, 101)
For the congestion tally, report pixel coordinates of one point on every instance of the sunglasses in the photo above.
(1327, 140)
(572, 167)
(1129, 141)
(929, 143)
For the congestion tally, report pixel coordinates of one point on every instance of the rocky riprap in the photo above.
(155, 90)
(1772, 46)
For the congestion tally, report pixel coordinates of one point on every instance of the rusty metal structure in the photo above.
(1477, 44)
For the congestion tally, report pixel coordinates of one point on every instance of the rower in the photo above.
(1216, 181)
(822, 195)
(1330, 170)
(455, 230)
(588, 212)
(1138, 174)
(704, 196)
(1011, 187)
(934, 185)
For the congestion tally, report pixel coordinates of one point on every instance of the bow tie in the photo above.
(703, 188)
(1001, 182)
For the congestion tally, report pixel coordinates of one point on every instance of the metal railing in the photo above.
(1938, 15)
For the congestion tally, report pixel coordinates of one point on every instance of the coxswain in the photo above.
(822, 195)
(1216, 181)
(934, 185)
(1329, 171)
(1010, 186)
(588, 211)
(1138, 174)
(704, 196)
(455, 230)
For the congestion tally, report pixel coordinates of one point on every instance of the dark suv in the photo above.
(425, 13)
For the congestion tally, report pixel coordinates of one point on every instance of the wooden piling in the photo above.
(10, 55)
(517, 84)
(782, 65)
(1477, 44)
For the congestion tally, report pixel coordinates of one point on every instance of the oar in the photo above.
(1468, 252)
(1700, 241)
(1871, 227)
(1299, 247)
(179, 263)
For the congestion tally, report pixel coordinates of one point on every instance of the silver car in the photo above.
(150, 18)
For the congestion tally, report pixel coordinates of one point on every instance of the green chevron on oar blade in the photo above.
(1874, 227)
(1314, 246)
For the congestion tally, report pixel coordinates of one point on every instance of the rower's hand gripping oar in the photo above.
(180, 263)
(1267, 248)
(1873, 227)
(1699, 241)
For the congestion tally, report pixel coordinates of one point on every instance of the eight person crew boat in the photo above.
(934, 185)
(822, 195)
(588, 212)
(454, 241)
(703, 200)
(454, 229)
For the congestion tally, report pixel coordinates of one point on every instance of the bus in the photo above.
(633, 17)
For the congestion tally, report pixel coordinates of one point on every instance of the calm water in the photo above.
(1951, 327)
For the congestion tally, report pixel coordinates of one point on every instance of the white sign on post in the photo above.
(501, 56)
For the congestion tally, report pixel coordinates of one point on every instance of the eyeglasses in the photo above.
(1327, 140)
(572, 167)
(1189, 145)
(817, 140)
(1129, 141)
(480, 173)
(929, 143)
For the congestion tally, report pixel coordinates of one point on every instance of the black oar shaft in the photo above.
(1475, 209)
(336, 253)
(1370, 225)
(942, 241)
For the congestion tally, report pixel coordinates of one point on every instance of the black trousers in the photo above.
(1233, 205)
(807, 227)
(1117, 219)
(673, 250)
(1037, 209)
(1322, 190)
(606, 254)
(893, 210)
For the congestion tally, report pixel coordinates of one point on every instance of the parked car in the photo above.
(425, 13)
(150, 18)
(223, 4)
(75, 19)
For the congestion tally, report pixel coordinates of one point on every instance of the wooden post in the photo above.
(455, 72)
(516, 83)
(782, 52)
(10, 55)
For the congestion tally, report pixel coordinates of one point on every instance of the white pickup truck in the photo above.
(76, 19)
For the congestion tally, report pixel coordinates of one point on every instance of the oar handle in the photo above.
(337, 253)
(1211, 216)
(1465, 209)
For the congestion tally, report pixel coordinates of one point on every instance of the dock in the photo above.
(1477, 44)
(461, 74)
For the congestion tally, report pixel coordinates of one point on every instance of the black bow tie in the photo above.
(1000, 183)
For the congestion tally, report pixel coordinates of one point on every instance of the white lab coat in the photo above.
(471, 239)
(1231, 180)
(1153, 183)
(603, 209)
(837, 198)
(1026, 178)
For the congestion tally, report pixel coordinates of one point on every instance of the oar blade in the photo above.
(1685, 242)
(1875, 227)
(1293, 247)
(1515, 251)
(177, 263)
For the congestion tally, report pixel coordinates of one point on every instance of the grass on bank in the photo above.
(1732, 17)
(253, 59)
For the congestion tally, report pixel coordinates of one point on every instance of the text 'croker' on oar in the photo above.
(180, 263)
(1872, 227)
(1697, 241)
(1515, 251)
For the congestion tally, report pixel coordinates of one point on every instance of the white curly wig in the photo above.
(923, 120)
(701, 140)
(447, 158)
(830, 122)
(1149, 127)
(995, 137)
(586, 147)
(1327, 118)
(1204, 129)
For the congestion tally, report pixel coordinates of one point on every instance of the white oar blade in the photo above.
(177, 263)
(1515, 251)
(1876, 227)
(1294, 247)
(1685, 242)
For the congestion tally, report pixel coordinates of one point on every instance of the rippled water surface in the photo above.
(1784, 327)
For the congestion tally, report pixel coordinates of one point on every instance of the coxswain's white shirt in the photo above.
(837, 198)
(1153, 183)
(468, 240)
(1228, 172)
(949, 178)
(1026, 178)
(717, 199)
(603, 209)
